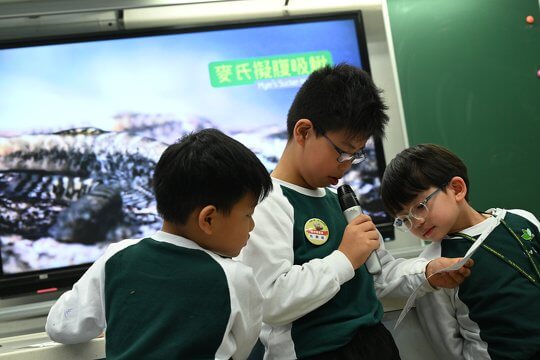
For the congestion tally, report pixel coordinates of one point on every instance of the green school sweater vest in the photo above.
(164, 302)
(504, 304)
(333, 324)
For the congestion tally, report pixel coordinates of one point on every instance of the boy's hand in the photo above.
(449, 279)
(359, 240)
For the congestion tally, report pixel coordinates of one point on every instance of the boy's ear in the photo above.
(301, 130)
(457, 184)
(206, 219)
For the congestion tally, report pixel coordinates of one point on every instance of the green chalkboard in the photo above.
(468, 78)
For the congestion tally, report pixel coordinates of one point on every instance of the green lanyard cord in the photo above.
(509, 261)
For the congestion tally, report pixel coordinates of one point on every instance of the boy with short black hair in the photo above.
(494, 314)
(319, 301)
(178, 294)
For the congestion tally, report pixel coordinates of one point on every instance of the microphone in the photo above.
(351, 209)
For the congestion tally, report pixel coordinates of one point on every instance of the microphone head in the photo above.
(347, 197)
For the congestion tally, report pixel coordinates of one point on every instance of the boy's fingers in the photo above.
(449, 280)
(465, 271)
(363, 226)
(368, 226)
(469, 263)
(373, 235)
(362, 218)
(457, 276)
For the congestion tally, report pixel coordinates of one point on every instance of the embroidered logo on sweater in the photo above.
(527, 234)
(316, 231)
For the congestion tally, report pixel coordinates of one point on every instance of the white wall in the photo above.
(384, 74)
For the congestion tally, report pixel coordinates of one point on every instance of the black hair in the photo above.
(416, 169)
(342, 97)
(206, 168)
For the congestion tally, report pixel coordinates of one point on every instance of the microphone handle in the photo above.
(373, 263)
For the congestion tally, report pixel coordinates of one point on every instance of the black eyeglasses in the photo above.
(356, 158)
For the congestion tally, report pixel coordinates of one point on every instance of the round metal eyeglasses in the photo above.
(419, 212)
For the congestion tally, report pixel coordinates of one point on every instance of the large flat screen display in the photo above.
(84, 120)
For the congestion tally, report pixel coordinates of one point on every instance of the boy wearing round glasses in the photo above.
(495, 313)
(319, 301)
